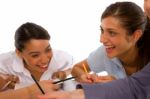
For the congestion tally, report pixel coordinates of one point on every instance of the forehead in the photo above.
(37, 44)
(111, 22)
(146, 2)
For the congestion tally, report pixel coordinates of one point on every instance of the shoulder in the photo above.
(7, 61)
(99, 50)
(62, 59)
(7, 56)
(62, 55)
(98, 53)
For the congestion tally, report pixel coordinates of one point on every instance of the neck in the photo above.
(131, 61)
(131, 58)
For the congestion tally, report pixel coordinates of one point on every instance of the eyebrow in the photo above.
(38, 52)
(109, 29)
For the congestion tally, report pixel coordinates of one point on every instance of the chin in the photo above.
(41, 71)
(110, 56)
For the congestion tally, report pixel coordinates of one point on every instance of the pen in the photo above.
(60, 81)
(85, 70)
(84, 67)
(38, 84)
(6, 85)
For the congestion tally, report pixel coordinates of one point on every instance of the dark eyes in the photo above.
(48, 50)
(111, 33)
(36, 55)
(102, 31)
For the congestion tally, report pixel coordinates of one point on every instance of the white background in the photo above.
(72, 24)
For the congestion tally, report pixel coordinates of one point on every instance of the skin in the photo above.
(147, 7)
(114, 38)
(5, 79)
(117, 44)
(78, 94)
(61, 74)
(36, 55)
(30, 92)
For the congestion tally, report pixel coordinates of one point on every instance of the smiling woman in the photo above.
(73, 24)
(121, 36)
(33, 55)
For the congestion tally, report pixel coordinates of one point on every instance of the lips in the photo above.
(43, 66)
(109, 49)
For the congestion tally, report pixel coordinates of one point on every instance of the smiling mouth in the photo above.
(43, 66)
(109, 48)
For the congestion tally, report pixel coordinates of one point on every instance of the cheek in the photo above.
(30, 61)
(122, 44)
(49, 55)
(147, 8)
(116, 41)
(125, 46)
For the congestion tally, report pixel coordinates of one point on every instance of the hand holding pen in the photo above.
(59, 75)
(88, 75)
(92, 77)
(8, 81)
(54, 84)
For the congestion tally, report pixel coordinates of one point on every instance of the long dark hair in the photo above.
(132, 17)
(143, 43)
(28, 31)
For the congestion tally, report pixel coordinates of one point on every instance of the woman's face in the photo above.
(147, 7)
(36, 55)
(115, 39)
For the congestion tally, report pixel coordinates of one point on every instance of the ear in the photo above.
(137, 35)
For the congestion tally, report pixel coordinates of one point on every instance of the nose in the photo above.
(103, 38)
(44, 58)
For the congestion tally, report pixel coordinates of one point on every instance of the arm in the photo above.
(30, 92)
(135, 87)
(83, 77)
(17, 94)
(77, 94)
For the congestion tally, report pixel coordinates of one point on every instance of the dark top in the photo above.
(136, 86)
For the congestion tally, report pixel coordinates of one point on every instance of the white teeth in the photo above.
(108, 46)
(44, 66)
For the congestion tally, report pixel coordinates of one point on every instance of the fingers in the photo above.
(14, 79)
(9, 81)
(86, 78)
(102, 79)
(94, 78)
(59, 75)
